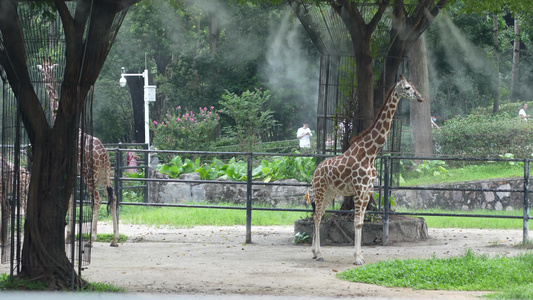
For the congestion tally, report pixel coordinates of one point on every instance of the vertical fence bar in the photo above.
(146, 172)
(526, 202)
(118, 174)
(386, 178)
(249, 199)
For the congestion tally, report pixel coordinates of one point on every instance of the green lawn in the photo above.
(511, 277)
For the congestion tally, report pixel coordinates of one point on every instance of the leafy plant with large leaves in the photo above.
(276, 168)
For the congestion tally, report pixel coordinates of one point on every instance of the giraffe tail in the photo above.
(307, 198)
(110, 198)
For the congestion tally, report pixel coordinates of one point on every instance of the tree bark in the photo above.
(405, 30)
(496, 105)
(136, 87)
(516, 61)
(420, 119)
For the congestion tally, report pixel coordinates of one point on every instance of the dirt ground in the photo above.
(203, 261)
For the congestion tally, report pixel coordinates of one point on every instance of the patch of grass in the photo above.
(103, 288)
(104, 237)
(19, 284)
(466, 173)
(469, 272)
(108, 237)
(189, 217)
(471, 222)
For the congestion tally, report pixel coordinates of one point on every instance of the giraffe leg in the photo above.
(96, 209)
(321, 203)
(68, 239)
(360, 201)
(315, 247)
(358, 254)
(113, 203)
(4, 213)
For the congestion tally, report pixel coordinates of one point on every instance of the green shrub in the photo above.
(252, 119)
(485, 136)
(186, 131)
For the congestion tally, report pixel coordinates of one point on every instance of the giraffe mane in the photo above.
(355, 139)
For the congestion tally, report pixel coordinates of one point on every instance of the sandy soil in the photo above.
(215, 261)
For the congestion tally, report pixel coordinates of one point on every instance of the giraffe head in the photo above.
(47, 69)
(406, 90)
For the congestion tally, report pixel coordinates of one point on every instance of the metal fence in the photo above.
(388, 170)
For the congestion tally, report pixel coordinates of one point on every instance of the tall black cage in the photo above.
(337, 112)
(45, 56)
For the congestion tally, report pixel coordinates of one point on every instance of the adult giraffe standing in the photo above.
(353, 173)
(96, 163)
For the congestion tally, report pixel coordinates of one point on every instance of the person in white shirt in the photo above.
(304, 135)
(522, 113)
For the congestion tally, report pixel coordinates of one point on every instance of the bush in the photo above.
(186, 131)
(252, 119)
(485, 136)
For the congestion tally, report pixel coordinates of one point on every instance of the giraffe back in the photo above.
(96, 162)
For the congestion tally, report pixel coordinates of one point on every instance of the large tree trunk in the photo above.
(496, 105)
(136, 87)
(420, 121)
(365, 87)
(516, 61)
(214, 31)
(43, 254)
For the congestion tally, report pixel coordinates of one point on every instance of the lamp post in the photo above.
(149, 96)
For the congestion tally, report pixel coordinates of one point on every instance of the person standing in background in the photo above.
(522, 113)
(304, 135)
(433, 122)
(132, 158)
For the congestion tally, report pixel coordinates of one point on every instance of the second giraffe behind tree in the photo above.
(353, 173)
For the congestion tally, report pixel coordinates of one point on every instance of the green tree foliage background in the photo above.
(263, 45)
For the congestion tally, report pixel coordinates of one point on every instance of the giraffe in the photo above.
(7, 171)
(96, 164)
(352, 173)
(96, 170)
(48, 70)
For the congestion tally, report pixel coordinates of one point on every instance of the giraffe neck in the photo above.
(50, 85)
(373, 138)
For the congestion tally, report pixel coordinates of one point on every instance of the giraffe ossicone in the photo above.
(353, 173)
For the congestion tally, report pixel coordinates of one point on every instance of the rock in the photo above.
(339, 231)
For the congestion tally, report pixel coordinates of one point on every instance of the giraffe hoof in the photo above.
(113, 245)
(320, 259)
(359, 262)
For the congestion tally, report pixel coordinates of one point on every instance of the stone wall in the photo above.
(272, 195)
(226, 191)
(497, 198)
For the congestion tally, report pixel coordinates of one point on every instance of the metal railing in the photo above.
(384, 185)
